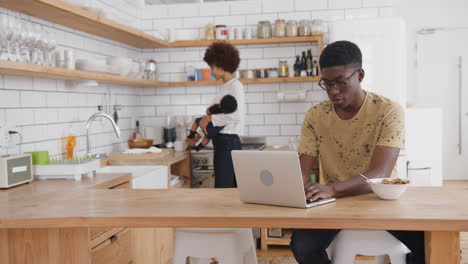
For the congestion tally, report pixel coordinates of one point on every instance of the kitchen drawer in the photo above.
(96, 231)
(126, 185)
(115, 250)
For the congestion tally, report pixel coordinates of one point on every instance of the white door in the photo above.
(382, 43)
(442, 64)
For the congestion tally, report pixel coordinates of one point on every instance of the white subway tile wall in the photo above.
(265, 115)
(45, 110)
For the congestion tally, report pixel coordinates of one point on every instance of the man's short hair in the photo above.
(222, 55)
(341, 53)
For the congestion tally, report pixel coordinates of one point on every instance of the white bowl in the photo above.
(120, 65)
(387, 191)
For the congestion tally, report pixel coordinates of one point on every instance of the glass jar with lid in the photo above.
(221, 32)
(209, 32)
(291, 28)
(264, 29)
(318, 27)
(304, 28)
(280, 28)
(283, 68)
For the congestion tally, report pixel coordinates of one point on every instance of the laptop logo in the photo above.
(266, 178)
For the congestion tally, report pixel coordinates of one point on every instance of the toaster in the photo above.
(15, 169)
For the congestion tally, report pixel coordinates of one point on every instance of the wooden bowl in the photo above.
(140, 143)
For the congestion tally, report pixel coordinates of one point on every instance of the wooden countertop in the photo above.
(420, 208)
(165, 158)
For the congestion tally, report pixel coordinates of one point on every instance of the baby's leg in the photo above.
(202, 144)
(193, 129)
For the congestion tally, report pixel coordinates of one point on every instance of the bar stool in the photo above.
(228, 245)
(349, 243)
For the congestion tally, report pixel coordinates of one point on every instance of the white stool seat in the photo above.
(228, 245)
(349, 243)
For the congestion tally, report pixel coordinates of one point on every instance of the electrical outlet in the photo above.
(11, 140)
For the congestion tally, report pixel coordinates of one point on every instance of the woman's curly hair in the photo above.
(222, 55)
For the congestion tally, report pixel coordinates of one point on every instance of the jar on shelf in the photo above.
(280, 28)
(264, 30)
(318, 27)
(291, 28)
(209, 32)
(221, 32)
(272, 72)
(283, 68)
(304, 28)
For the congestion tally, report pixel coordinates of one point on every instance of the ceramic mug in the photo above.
(40, 157)
(180, 146)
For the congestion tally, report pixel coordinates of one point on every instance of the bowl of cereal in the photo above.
(388, 189)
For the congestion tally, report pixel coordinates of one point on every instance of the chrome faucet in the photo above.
(88, 124)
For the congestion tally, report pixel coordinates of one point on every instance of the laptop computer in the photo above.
(272, 178)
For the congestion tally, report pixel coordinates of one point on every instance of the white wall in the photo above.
(265, 115)
(43, 110)
(420, 14)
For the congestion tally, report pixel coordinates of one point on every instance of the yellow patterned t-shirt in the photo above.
(345, 147)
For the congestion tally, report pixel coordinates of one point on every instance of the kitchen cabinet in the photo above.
(117, 249)
(177, 163)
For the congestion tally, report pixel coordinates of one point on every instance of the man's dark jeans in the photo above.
(309, 245)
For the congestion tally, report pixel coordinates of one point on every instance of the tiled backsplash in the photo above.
(265, 115)
(44, 110)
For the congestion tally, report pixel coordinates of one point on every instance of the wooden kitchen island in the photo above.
(47, 222)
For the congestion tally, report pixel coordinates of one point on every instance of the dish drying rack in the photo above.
(72, 169)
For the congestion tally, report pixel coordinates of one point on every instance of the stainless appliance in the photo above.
(14, 170)
(203, 162)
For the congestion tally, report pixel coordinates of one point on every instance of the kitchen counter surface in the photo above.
(166, 157)
(58, 204)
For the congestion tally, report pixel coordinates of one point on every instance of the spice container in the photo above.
(261, 73)
(291, 28)
(283, 69)
(272, 72)
(280, 28)
(221, 32)
(304, 28)
(318, 27)
(247, 74)
(264, 29)
(209, 32)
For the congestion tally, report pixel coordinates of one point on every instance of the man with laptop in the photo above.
(355, 132)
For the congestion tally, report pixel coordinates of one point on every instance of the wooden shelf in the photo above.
(283, 241)
(250, 81)
(205, 43)
(74, 17)
(77, 18)
(32, 70)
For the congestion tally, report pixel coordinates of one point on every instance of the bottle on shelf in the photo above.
(297, 67)
(137, 133)
(309, 62)
(315, 68)
(303, 64)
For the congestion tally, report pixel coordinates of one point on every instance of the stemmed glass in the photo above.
(10, 30)
(49, 46)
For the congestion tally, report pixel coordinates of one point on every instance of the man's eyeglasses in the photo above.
(338, 85)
